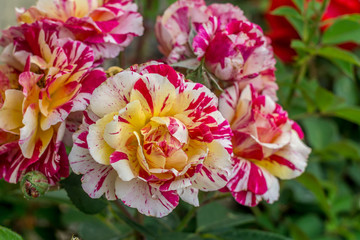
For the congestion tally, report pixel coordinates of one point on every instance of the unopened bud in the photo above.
(34, 184)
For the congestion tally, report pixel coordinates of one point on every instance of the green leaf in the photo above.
(191, 63)
(7, 234)
(310, 224)
(351, 114)
(215, 216)
(320, 132)
(338, 53)
(252, 235)
(346, 67)
(341, 31)
(298, 44)
(138, 227)
(297, 233)
(79, 198)
(326, 100)
(312, 183)
(286, 11)
(292, 15)
(96, 229)
(347, 89)
(345, 148)
(178, 236)
(299, 4)
(196, 75)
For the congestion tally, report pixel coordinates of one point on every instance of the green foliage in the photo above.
(79, 198)
(7, 234)
(215, 217)
(320, 90)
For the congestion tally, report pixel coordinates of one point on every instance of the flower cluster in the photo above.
(266, 143)
(107, 26)
(147, 135)
(231, 47)
(48, 73)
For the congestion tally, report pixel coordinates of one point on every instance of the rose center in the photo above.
(163, 149)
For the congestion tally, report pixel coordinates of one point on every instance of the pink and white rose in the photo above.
(266, 145)
(107, 26)
(56, 77)
(232, 48)
(150, 138)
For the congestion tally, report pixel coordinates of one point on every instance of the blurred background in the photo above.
(323, 204)
(7, 11)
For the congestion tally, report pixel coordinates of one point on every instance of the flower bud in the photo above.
(34, 184)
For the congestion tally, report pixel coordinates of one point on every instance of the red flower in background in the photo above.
(281, 31)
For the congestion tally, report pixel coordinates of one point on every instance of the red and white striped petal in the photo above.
(249, 183)
(149, 201)
(290, 161)
(98, 179)
(114, 94)
(216, 169)
(155, 93)
(189, 195)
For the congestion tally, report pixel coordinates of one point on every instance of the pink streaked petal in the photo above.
(189, 195)
(73, 123)
(290, 161)
(216, 168)
(98, 147)
(98, 179)
(149, 201)
(155, 93)
(113, 94)
(247, 176)
(176, 128)
(251, 199)
(176, 79)
(226, 13)
(228, 102)
(121, 163)
(205, 34)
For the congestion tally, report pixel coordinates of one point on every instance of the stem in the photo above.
(125, 211)
(140, 220)
(186, 219)
(297, 78)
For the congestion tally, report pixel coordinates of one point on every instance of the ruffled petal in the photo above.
(149, 201)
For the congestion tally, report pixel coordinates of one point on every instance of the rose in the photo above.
(231, 48)
(266, 145)
(54, 77)
(108, 26)
(149, 137)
